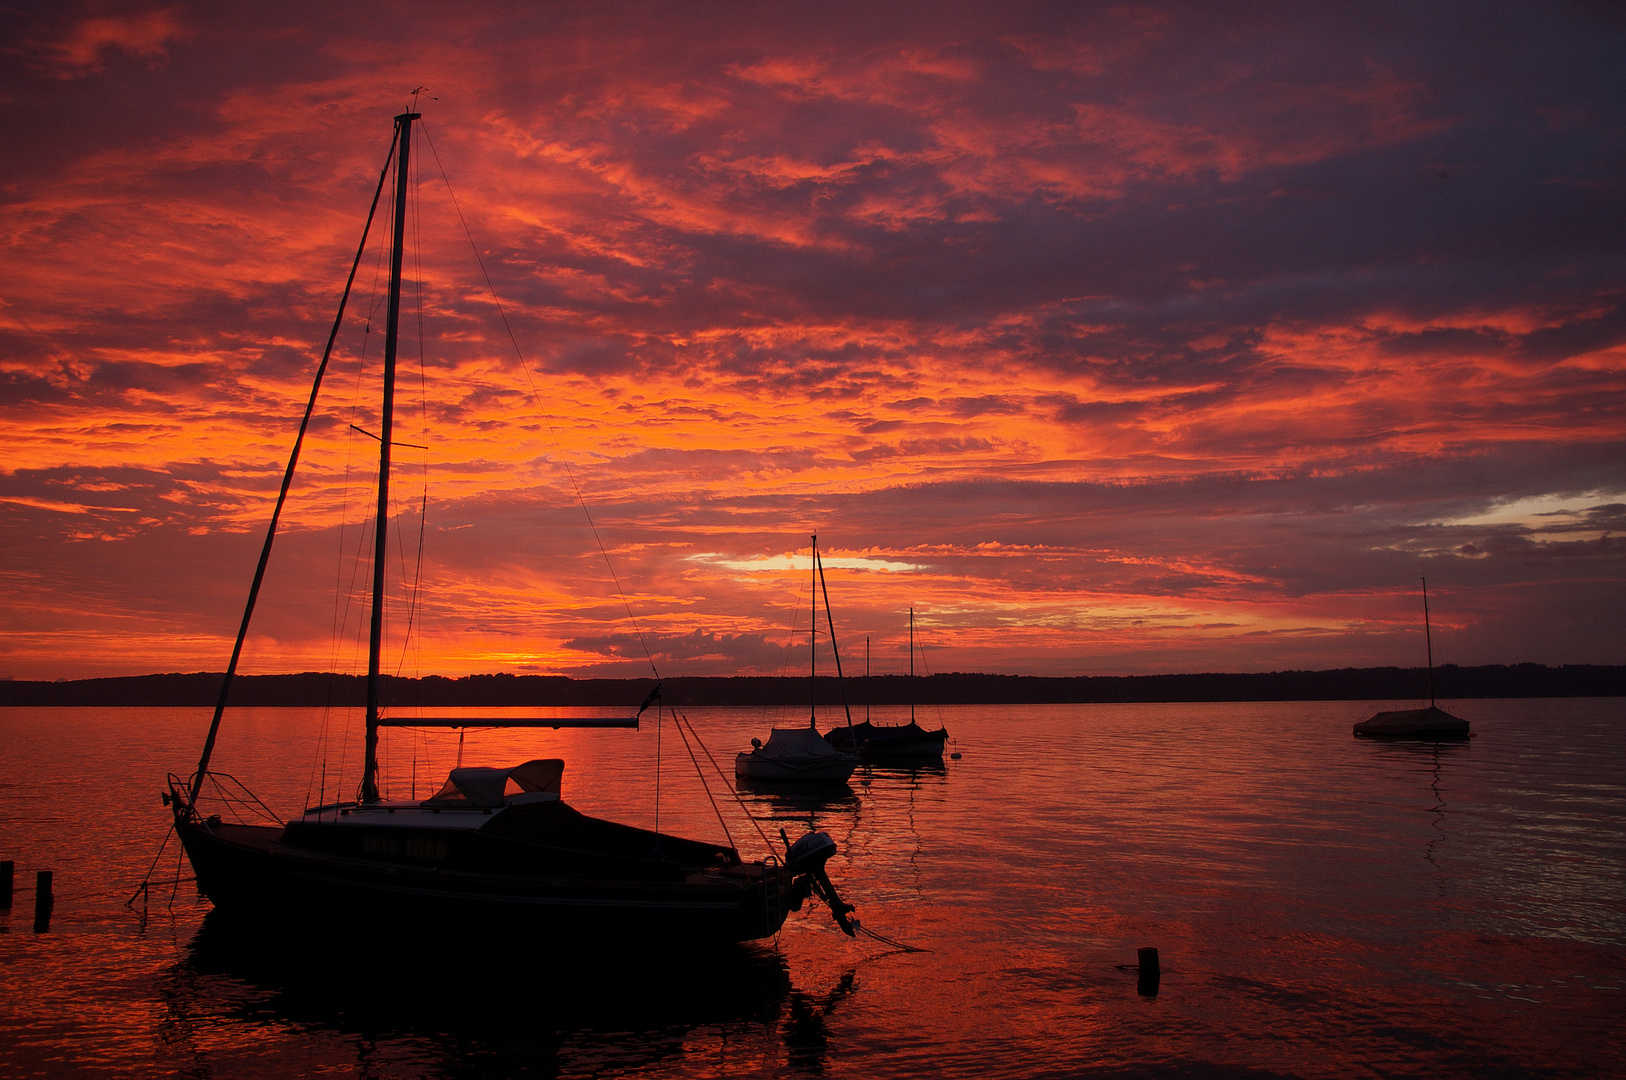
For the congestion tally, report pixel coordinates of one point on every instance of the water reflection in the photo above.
(891, 841)
(807, 1038)
(914, 772)
(446, 1006)
(787, 795)
(1428, 757)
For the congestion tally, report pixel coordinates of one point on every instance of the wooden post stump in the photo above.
(1150, 973)
(43, 901)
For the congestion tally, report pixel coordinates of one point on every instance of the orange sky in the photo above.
(1113, 340)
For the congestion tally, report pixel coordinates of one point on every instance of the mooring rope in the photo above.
(142, 888)
(703, 785)
(679, 721)
(867, 932)
(755, 824)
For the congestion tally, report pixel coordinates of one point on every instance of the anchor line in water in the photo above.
(913, 645)
(867, 932)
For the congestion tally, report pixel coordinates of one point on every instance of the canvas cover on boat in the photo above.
(479, 786)
(796, 746)
(1430, 721)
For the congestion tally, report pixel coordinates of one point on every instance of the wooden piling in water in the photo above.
(1150, 973)
(43, 901)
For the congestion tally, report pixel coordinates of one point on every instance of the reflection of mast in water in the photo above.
(914, 853)
(874, 783)
(813, 806)
(1406, 755)
(1439, 816)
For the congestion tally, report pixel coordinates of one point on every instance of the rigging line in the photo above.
(344, 599)
(341, 597)
(415, 591)
(179, 855)
(536, 402)
(707, 750)
(349, 595)
(658, 770)
(416, 609)
(789, 651)
(830, 617)
(360, 564)
(703, 785)
(344, 602)
(938, 705)
(282, 496)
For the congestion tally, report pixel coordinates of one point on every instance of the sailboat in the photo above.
(799, 755)
(496, 850)
(1430, 723)
(893, 743)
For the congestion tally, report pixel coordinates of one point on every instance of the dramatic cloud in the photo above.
(1110, 339)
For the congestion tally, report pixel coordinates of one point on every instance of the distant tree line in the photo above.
(1344, 684)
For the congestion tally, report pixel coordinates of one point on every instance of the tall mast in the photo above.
(813, 642)
(1428, 636)
(392, 326)
(911, 665)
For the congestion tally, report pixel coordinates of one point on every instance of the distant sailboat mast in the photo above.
(911, 665)
(392, 325)
(813, 641)
(830, 619)
(1428, 636)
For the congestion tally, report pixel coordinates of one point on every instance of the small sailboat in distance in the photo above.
(1430, 723)
(799, 755)
(895, 744)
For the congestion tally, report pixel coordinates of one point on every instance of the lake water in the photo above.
(1322, 906)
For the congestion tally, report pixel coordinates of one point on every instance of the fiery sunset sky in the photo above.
(1112, 338)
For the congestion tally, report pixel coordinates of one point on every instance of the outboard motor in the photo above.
(806, 859)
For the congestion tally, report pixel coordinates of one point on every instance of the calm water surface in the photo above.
(1322, 906)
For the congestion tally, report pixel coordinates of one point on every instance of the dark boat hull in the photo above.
(252, 870)
(1430, 723)
(880, 743)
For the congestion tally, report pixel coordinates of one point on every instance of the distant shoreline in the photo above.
(1343, 684)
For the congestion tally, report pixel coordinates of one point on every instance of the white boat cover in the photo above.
(490, 787)
(797, 747)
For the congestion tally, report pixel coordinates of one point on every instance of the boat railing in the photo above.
(223, 795)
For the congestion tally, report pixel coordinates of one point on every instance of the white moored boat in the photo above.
(797, 755)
